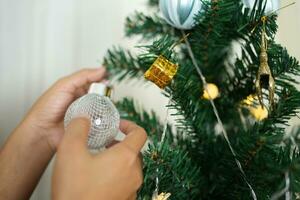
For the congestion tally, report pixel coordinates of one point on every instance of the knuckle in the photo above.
(140, 129)
(130, 154)
(61, 80)
(85, 71)
(139, 181)
(143, 132)
(82, 71)
(141, 160)
(104, 70)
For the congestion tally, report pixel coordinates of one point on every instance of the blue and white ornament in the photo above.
(180, 13)
(271, 6)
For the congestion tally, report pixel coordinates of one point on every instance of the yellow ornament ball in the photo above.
(162, 196)
(250, 100)
(259, 113)
(211, 92)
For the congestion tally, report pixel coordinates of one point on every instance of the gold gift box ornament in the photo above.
(161, 72)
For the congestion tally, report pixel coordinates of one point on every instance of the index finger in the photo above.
(86, 77)
(136, 136)
(76, 135)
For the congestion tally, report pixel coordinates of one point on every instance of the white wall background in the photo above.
(42, 40)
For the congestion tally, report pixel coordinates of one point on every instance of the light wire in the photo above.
(285, 191)
(224, 132)
(162, 140)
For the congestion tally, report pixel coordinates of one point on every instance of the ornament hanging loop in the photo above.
(264, 76)
(264, 45)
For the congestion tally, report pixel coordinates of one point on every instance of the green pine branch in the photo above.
(177, 173)
(149, 121)
(184, 175)
(197, 145)
(122, 64)
(148, 27)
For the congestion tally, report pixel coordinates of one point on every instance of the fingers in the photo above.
(132, 197)
(77, 134)
(140, 177)
(135, 135)
(88, 76)
(83, 78)
(113, 143)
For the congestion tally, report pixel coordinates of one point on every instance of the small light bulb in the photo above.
(211, 92)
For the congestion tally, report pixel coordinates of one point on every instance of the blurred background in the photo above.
(43, 40)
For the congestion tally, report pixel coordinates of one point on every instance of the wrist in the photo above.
(24, 158)
(45, 130)
(35, 134)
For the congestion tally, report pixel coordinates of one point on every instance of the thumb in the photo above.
(76, 134)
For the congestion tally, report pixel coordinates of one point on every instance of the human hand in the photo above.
(47, 115)
(114, 174)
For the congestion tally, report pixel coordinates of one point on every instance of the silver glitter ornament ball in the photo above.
(104, 116)
(180, 13)
(271, 6)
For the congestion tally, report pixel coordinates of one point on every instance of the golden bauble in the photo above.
(259, 113)
(211, 92)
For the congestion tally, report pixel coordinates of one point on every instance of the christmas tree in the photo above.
(228, 141)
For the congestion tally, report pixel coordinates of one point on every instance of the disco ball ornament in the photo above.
(180, 13)
(271, 6)
(104, 117)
